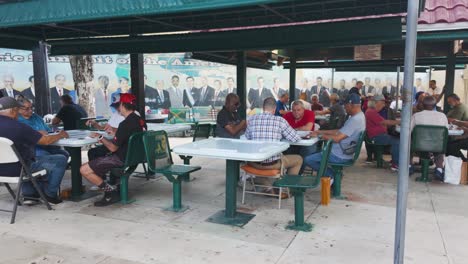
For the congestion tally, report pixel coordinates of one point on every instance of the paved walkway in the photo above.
(358, 230)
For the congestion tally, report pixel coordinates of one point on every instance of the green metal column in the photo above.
(75, 154)
(299, 224)
(449, 74)
(292, 75)
(242, 82)
(138, 82)
(41, 80)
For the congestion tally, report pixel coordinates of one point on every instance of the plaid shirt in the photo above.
(268, 127)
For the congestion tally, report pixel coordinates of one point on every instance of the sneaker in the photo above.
(108, 199)
(53, 200)
(439, 175)
(394, 167)
(30, 201)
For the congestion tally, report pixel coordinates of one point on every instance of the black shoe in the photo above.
(108, 199)
(53, 200)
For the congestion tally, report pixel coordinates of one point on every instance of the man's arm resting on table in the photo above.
(235, 129)
(324, 112)
(336, 138)
(390, 122)
(307, 127)
(49, 139)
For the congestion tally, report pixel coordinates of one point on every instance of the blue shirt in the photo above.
(352, 128)
(280, 106)
(35, 121)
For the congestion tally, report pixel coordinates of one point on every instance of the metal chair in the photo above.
(160, 161)
(8, 155)
(299, 184)
(426, 139)
(378, 149)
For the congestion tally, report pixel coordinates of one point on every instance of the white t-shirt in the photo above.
(393, 104)
(437, 90)
(115, 120)
(427, 117)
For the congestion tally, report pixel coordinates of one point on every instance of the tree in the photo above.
(83, 75)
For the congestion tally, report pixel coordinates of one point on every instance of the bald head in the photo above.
(429, 103)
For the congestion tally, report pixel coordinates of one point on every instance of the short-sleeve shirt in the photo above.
(268, 127)
(427, 117)
(337, 111)
(35, 121)
(316, 107)
(70, 115)
(373, 123)
(352, 128)
(225, 118)
(132, 124)
(435, 91)
(459, 112)
(24, 139)
(309, 117)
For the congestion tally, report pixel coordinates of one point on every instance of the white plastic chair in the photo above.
(9, 154)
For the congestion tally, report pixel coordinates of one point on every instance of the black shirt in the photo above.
(71, 115)
(132, 124)
(24, 139)
(226, 118)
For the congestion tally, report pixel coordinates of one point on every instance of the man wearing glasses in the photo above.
(228, 122)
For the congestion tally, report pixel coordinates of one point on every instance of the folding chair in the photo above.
(9, 154)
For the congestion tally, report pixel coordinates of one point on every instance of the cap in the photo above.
(8, 103)
(353, 99)
(123, 98)
(379, 98)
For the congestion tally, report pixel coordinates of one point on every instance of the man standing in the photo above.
(459, 110)
(322, 91)
(345, 139)
(419, 86)
(282, 105)
(434, 90)
(257, 96)
(268, 127)
(342, 91)
(389, 89)
(191, 93)
(231, 86)
(8, 82)
(228, 121)
(206, 93)
(70, 113)
(357, 88)
(58, 91)
(95, 170)
(29, 93)
(162, 96)
(175, 93)
(25, 140)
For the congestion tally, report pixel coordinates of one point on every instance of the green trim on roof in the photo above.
(35, 12)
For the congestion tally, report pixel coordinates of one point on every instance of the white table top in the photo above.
(305, 142)
(79, 138)
(169, 128)
(451, 132)
(322, 117)
(155, 116)
(232, 149)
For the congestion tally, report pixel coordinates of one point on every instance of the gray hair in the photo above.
(314, 96)
(22, 100)
(298, 102)
(269, 103)
(371, 104)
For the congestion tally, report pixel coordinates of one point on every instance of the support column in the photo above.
(41, 80)
(397, 88)
(292, 76)
(405, 132)
(449, 75)
(242, 82)
(138, 81)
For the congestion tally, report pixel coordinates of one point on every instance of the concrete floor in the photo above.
(357, 230)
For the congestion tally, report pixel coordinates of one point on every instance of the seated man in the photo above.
(345, 139)
(228, 121)
(70, 113)
(95, 170)
(430, 117)
(376, 127)
(28, 117)
(268, 127)
(282, 106)
(336, 111)
(25, 140)
(458, 111)
(115, 119)
(302, 120)
(316, 106)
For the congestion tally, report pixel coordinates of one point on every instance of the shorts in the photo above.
(102, 165)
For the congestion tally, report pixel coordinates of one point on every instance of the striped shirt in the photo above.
(268, 127)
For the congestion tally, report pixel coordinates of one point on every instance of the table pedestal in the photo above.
(77, 194)
(230, 216)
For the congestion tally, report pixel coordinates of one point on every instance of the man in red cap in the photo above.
(95, 170)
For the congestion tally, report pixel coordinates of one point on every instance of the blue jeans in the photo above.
(386, 139)
(55, 166)
(314, 160)
(51, 150)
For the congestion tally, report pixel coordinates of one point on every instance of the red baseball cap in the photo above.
(124, 98)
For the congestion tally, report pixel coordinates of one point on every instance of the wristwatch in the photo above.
(100, 137)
